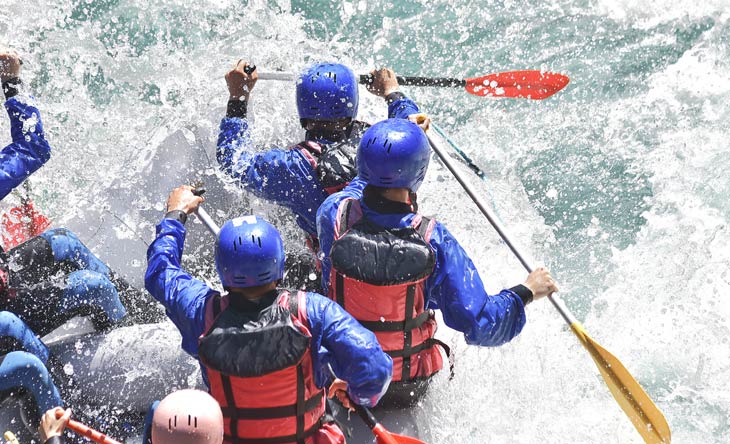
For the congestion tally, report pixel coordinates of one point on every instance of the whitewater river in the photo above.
(619, 183)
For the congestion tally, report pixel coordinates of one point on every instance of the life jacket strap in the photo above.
(278, 439)
(272, 412)
(391, 326)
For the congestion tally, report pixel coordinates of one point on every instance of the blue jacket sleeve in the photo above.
(351, 350)
(29, 149)
(283, 176)
(326, 215)
(456, 288)
(183, 296)
(402, 108)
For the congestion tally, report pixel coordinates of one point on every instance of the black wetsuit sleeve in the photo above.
(523, 292)
(237, 108)
(394, 96)
(177, 215)
(11, 87)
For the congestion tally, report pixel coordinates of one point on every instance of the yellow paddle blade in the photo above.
(10, 438)
(647, 418)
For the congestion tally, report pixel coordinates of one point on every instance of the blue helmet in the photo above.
(393, 153)
(249, 252)
(327, 91)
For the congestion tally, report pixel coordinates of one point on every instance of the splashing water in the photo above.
(618, 183)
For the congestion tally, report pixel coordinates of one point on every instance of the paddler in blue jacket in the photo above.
(52, 277)
(301, 176)
(24, 363)
(265, 352)
(389, 266)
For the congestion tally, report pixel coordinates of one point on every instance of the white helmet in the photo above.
(187, 417)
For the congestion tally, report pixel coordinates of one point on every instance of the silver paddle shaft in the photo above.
(484, 208)
(207, 221)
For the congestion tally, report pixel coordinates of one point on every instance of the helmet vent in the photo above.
(256, 240)
(390, 145)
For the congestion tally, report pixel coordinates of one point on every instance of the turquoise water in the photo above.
(618, 183)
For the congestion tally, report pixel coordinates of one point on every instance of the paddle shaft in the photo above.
(484, 208)
(365, 79)
(90, 433)
(207, 221)
(383, 435)
(84, 430)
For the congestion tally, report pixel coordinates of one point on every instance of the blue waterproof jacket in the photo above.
(29, 149)
(454, 287)
(283, 176)
(337, 338)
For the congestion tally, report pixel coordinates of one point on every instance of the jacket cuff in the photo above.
(11, 87)
(55, 440)
(177, 215)
(523, 292)
(394, 96)
(237, 108)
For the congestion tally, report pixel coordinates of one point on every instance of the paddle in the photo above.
(526, 84)
(646, 417)
(382, 436)
(87, 431)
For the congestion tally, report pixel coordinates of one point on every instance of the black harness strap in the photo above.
(340, 289)
(216, 306)
(301, 408)
(230, 401)
(278, 439)
(407, 334)
(272, 412)
(391, 326)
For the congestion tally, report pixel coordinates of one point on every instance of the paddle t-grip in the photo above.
(249, 69)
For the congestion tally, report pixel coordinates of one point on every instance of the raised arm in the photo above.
(183, 296)
(29, 149)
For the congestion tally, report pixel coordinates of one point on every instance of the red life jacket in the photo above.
(334, 163)
(260, 371)
(378, 275)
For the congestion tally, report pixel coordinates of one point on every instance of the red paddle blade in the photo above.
(530, 84)
(385, 437)
(22, 223)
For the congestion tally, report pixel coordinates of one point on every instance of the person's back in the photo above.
(265, 352)
(375, 242)
(301, 176)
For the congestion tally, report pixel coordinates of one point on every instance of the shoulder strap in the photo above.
(425, 227)
(344, 213)
(310, 150)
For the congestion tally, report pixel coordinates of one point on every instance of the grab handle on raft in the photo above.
(88, 432)
(631, 397)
